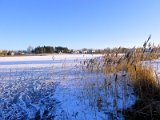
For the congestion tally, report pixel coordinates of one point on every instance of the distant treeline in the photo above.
(60, 49)
(50, 49)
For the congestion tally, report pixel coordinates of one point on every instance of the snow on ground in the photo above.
(47, 87)
(155, 65)
(49, 57)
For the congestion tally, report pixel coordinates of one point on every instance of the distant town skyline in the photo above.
(78, 24)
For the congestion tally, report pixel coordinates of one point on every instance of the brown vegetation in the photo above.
(142, 77)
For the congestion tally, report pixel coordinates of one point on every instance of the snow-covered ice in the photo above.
(58, 87)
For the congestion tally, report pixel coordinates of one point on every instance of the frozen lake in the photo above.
(58, 87)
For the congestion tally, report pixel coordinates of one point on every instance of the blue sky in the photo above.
(78, 23)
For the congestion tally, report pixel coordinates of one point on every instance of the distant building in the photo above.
(12, 53)
(60, 52)
(76, 52)
(84, 51)
(93, 51)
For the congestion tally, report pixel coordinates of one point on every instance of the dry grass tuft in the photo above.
(144, 82)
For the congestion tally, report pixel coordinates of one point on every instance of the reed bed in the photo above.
(130, 68)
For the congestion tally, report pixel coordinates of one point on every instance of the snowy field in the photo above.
(59, 87)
